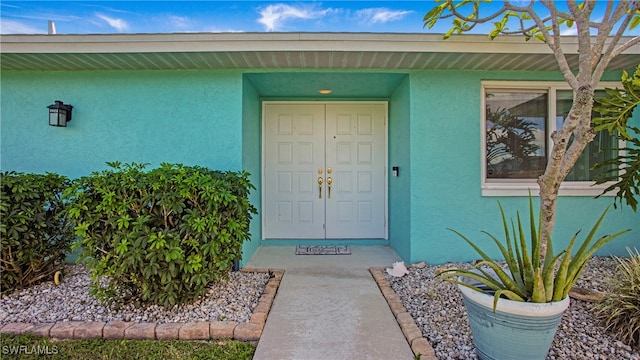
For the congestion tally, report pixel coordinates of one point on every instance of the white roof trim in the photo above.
(229, 42)
(346, 51)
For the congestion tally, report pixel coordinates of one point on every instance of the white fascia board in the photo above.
(231, 42)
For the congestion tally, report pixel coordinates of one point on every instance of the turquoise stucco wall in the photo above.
(213, 119)
(190, 117)
(399, 212)
(446, 174)
(252, 161)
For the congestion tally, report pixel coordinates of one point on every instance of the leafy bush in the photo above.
(159, 236)
(616, 109)
(34, 236)
(620, 309)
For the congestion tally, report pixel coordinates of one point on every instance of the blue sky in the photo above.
(105, 17)
(82, 17)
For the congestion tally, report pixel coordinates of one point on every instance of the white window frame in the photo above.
(522, 187)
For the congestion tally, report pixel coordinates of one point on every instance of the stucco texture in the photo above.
(146, 117)
(213, 119)
(446, 162)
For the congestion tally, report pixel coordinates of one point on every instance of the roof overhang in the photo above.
(367, 51)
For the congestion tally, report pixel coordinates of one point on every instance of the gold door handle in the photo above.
(320, 187)
(329, 182)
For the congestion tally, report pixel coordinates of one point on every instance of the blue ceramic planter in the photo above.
(517, 330)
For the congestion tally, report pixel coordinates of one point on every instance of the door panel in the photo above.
(356, 154)
(344, 145)
(294, 150)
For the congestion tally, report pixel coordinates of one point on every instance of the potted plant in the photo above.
(515, 306)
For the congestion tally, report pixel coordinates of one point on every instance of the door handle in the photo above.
(320, 187)
(329, 182)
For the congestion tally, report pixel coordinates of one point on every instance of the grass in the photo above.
(31, 347)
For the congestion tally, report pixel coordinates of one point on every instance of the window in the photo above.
(603, 147)
(518, 119)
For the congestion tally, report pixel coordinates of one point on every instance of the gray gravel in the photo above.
(232, 300)
(438, 310)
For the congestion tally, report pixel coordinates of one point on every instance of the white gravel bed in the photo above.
(438, 310)
(232, 300)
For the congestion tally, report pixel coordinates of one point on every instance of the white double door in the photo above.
(324, 170)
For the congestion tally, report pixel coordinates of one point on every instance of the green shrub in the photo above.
(160, 236)
(620, 309)
(34, 236)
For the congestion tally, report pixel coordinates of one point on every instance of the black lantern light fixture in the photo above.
(59, 114)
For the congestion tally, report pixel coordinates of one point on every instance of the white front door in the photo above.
(324, 170)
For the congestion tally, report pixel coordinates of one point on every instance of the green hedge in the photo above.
(160, 236)
(35, 237)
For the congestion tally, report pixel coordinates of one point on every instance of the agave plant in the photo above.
(620, 309)
(527, 276)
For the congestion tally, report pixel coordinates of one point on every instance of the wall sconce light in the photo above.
(59, 114)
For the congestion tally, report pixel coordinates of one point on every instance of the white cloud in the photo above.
(179, 22)
(16, 27)
(273, 16)
(117, 24)
(9, 6)
(569, 31)
(175, 23)
(381, 15)
(213, 29)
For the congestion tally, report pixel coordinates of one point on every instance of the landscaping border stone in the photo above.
(170, 331)
(216, 330)
(419, 344)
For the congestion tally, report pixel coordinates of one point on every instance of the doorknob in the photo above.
(320, 187)
(329, 182)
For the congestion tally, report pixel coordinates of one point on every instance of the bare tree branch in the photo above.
(556, 44)
(525, 30)
(622, 48)
(614, 49)
(585, 55)
(476, 14)
(605, 29)
(607, 12)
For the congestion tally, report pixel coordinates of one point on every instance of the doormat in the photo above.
(322, 250)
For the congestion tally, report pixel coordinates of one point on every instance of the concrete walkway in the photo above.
(328, 307)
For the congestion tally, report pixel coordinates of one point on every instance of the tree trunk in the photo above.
(568, 143)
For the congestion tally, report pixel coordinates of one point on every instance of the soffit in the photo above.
(307, 84)
(366, 51)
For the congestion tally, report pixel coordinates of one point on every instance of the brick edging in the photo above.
(200, 330)
(419, 345)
